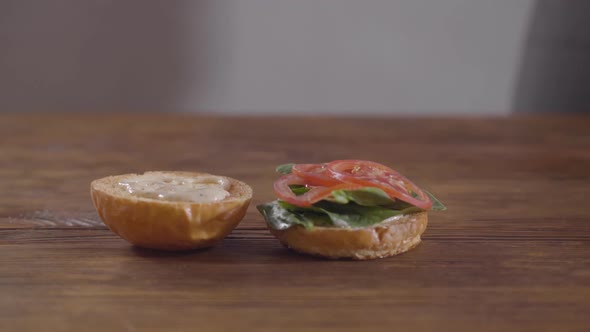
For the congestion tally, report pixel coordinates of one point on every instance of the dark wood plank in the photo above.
(512, 253)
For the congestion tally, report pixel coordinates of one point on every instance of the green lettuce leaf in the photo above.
(298, 189)
(284, 169)
(357, 216)
(365, 196)
(371, 196)
(279, 217)
(282, 215)
(436, 204)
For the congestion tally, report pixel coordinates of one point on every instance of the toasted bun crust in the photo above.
(390, 237)
(168, 225)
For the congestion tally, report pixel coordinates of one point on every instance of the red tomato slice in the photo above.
(372, 174)
(315, 194)
(314, 174)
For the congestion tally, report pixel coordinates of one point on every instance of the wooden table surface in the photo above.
(512, 253)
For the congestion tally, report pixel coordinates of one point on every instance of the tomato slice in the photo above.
(314, 174)
(372, 174)
(315, 194)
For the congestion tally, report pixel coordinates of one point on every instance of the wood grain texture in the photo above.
(512, 253)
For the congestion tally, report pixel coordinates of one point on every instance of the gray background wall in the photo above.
(371, 56)
(554, 75)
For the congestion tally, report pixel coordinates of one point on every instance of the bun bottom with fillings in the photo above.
(169, 224)
(390, 237)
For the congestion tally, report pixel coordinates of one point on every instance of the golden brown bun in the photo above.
(168, 225)
(390, 237)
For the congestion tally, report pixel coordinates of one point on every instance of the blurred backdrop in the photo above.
(262, 56)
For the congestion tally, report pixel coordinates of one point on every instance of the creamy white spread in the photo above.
(199, 189)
